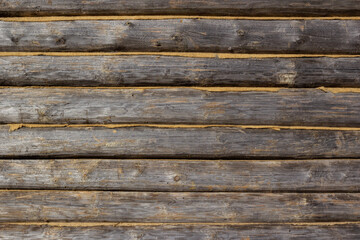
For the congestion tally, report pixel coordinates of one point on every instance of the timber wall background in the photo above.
(180, 119)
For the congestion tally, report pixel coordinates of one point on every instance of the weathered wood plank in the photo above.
(178, 142)
(184, 35)
(183, 207)
(340, 231)
(259, 106)
(115, 71)
(186, 7)
(182, 175)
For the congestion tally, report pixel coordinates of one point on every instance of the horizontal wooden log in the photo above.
(183, 35)
(340, 231)
(178, 142)
(106, 206)
(114, 71)
(182, 175)
(209, 7)
(258, 106)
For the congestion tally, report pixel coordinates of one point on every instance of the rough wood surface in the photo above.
(184, 35)
(349, 231)
(94, 206)
(178, 142)
(178, 71)
(182, 175)
(313, 107)
(186, 7)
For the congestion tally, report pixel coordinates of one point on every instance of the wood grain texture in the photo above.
(349, 231)
(312, 107)
(188, 142)
(184, 35)
(182, 175)
(107, 206)
(114, 71)
(186, 7)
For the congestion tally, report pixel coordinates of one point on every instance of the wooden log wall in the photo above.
(183, 119)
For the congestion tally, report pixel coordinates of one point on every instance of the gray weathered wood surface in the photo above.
(107, 206)
(171, 157)
(178, 71)
(350, 231)
(313, 107)
(189, 142)
(184, 35)
(183, 7)
(182, 175)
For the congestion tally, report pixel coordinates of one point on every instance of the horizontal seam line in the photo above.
(180, 159)
(13, 127)
(77, 189)
(209, 89)
(167, 192)
(119, 224)
(215, 89)
(179, 54)
(165, 17)
(127, 157)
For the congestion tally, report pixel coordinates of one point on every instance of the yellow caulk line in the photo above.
(125, 224)
(340, 90)
(176, 54)
(208, 89)
(13, 127)
(163, 17)
(213, 161)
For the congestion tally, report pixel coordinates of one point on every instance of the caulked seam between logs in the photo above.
(16, 126)
(164, 17)
(78, 189)
(178, 54)
(124, 224)
(187, 160)
(209, 89)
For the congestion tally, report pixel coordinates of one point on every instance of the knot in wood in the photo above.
(177, 37)
(61, 41)
(241, 32)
